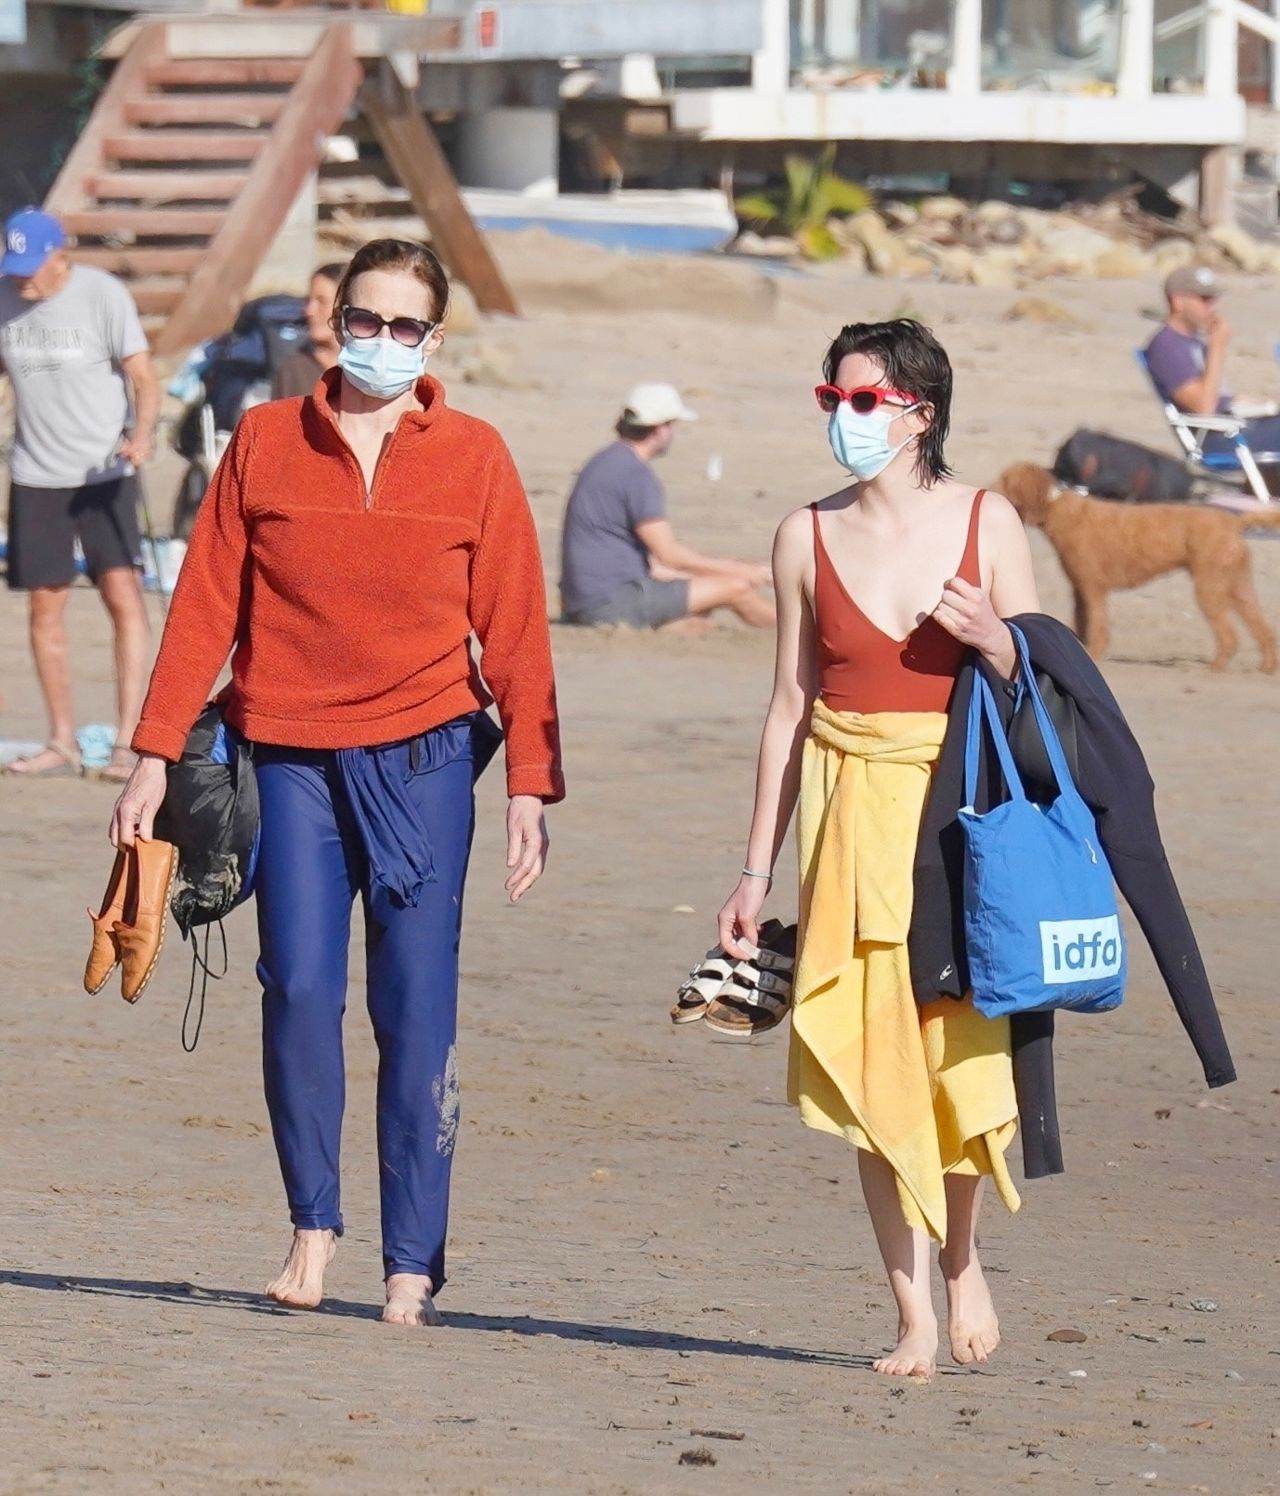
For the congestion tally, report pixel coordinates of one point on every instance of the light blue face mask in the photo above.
(381, 367)
(861, 443)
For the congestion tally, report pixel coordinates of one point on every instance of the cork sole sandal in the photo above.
(705, 982)
(757, 997)
(701, 985)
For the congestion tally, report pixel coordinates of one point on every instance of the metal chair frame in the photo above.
(1240, 466)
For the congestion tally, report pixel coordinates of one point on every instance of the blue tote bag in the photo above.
(1041, 924)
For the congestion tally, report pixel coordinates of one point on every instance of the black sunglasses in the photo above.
(359, 323)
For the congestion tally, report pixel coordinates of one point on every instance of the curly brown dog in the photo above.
(1104, 546)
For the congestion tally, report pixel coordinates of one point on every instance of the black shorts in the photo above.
(45, 523)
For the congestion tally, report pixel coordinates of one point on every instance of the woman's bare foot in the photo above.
(916, 1353)
(409, 1301)
(301, 1280)
(971, 1316)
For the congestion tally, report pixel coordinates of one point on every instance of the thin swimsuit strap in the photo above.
(969, 569)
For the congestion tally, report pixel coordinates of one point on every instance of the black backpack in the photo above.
(1109, 467)
(268, 330)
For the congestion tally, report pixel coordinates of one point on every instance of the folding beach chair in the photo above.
(1241, 465)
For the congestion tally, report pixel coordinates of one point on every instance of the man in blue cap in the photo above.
(87, 400)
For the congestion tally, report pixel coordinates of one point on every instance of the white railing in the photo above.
(803, 34)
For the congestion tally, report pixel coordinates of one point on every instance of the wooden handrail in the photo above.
(415, 156)
(316, 106)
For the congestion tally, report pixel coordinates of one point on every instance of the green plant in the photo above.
(89, 78)
(814, 194)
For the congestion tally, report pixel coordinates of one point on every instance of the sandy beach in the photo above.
(660, 1282)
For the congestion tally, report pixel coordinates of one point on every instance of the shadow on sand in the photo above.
(623, 1336)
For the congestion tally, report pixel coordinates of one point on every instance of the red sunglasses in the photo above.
(865, 399)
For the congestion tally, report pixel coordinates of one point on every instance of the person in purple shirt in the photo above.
(1187, 361)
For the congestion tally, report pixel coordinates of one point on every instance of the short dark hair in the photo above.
(630, 432)
(333, 271)
(914, 362)
(395, 254)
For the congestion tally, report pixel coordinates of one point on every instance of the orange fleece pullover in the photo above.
(350, 613)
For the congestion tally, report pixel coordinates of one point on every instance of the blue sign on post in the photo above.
(13, 22)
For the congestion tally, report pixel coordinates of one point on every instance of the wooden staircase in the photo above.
(189, 167)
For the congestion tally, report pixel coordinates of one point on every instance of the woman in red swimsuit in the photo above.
(883, 588)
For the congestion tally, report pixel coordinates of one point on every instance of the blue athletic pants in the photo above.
(312, 862)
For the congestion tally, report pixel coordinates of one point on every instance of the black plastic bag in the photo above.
(210, 813)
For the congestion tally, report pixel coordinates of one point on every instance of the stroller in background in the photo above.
(222, 379)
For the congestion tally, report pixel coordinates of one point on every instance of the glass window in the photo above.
(1065, 46)
(872, 43)
(1179, 47)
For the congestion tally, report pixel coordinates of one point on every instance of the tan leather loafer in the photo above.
(104, 956)
(140, 930)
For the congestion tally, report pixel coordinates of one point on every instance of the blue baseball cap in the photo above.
(30, 237)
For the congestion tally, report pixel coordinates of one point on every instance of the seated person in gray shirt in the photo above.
(622, 562)
(1187, 361)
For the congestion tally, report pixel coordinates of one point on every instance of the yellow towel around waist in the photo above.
(928, 1089)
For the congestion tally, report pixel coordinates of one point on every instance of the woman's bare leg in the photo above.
(971, 1316)
(906, 1259)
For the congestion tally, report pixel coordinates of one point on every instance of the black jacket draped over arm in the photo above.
(1112, 777)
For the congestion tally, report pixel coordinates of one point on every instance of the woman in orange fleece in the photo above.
(350, 544)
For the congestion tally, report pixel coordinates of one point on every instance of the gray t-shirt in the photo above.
(601, 552)
(63, 359)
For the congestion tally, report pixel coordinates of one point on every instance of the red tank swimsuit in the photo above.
(862, 669)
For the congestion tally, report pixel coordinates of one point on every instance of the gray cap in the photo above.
(1192, 280)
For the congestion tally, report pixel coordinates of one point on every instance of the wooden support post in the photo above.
(1216, 183)
(413, 152)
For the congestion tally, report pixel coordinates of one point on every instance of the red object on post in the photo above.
(487, 27)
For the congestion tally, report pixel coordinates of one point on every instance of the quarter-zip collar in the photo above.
(429, 394)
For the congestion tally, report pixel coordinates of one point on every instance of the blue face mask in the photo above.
(861, 443)
(381, 367)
